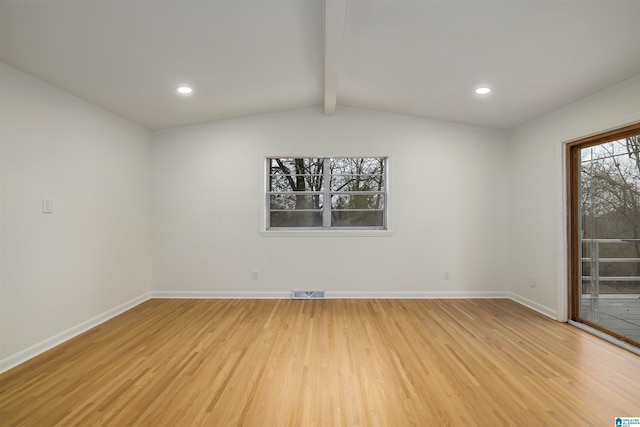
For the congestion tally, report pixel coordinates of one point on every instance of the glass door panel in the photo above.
(608, 218)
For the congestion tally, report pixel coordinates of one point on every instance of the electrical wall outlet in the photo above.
(47, 206)
(447, 275)
(255, 275)
(532, 281)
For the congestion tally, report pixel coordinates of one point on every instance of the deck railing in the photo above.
(595, 260)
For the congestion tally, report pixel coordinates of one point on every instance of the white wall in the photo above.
(449, 208)
(537, 177)
(91, 256)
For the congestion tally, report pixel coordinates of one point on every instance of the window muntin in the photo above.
(356, 188)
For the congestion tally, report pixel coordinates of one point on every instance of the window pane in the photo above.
(357, 183)
(296, 219)
(295, 201)
(295, 164)
(357, 219)
(282, 183)
(299, 174)
(357, 201)
(369, 166)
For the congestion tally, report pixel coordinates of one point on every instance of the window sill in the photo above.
(326, 233)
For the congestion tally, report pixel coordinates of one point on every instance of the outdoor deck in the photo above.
(619, 313)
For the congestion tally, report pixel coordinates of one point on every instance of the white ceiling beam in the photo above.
(335, 12)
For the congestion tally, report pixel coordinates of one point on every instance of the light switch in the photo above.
(47, 206)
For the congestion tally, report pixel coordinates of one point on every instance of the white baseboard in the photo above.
(33, 351)
(221, 295)
(415, 295)
(329, 295)
(549, 312)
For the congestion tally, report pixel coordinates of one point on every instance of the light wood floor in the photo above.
(326, 363)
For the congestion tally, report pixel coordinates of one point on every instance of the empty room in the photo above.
(319, 213)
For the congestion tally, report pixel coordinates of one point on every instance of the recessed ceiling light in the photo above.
(184, 90)
(483, 90)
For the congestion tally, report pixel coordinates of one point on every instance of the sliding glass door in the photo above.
(605, 232)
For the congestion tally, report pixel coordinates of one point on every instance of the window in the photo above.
(327, 193)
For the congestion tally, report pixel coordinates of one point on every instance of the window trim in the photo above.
(324, 232)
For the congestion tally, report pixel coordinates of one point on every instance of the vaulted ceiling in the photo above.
(418, 57)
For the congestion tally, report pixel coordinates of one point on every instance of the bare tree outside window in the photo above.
(610, 205)
(326, 193)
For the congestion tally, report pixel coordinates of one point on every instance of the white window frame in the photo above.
(326, 229)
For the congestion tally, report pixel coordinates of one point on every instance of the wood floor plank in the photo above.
(325, 363)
